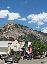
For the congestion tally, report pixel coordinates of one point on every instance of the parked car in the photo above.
(3, 56)
(11, 59)
(8, 59)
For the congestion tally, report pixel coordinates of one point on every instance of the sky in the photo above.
(30, 13)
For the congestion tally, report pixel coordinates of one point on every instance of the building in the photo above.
(16, 46)
(4, 47)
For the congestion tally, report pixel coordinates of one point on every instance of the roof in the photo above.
(3, 53)
(4, 43)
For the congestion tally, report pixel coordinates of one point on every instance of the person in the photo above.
(30, 51)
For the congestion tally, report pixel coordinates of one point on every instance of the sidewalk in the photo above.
(2, 61)
(34, 61)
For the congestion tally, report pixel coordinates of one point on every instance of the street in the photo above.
(33, 61)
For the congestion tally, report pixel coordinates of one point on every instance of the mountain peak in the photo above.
(17, 30)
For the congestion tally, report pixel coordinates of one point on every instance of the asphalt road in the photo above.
(33, 61)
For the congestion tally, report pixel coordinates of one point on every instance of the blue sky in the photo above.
(31, 13)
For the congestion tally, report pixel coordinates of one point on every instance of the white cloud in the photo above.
(38, 27)
(3, 13)
(8, 7)
(44, 30)
(38, 18)
(11, 15)
(22, 19)
(40, 23)
(30, 21)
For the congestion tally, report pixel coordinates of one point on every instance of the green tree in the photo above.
(38, 47)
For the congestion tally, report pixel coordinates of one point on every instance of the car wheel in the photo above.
(5, 61)
(27, 58)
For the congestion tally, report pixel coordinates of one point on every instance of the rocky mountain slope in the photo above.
(13, 31)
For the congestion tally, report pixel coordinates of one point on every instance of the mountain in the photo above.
(16, 31)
